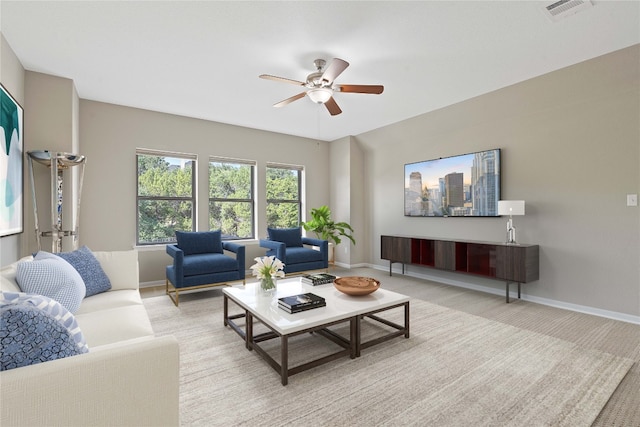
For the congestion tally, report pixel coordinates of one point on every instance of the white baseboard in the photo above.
(152, 284)
(350, 266)
(623, 317)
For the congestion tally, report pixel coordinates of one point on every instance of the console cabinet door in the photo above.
(395, 249)
(445, 255)
(517, 263)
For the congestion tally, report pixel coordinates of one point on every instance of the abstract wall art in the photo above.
(11, 176)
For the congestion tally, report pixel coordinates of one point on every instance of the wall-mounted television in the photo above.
(464, 185)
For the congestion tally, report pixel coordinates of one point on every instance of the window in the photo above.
(231, 203)
(166, 195)
(284, 203)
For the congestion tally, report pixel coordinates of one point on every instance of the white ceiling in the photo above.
(202, 59)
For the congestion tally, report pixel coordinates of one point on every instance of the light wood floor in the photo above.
(611, 336)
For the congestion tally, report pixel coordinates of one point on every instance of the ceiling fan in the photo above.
(320, 85)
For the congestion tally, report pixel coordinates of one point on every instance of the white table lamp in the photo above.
(511, 207)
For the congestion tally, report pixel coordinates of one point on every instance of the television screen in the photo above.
(465, 185)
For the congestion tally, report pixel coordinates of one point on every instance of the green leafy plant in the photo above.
(325, 228)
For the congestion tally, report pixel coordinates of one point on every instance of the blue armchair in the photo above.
(288, 245)
(199, 262)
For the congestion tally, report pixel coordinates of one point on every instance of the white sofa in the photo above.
(129, 377)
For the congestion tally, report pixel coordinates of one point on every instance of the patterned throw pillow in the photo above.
(53, 277)
(36, 329)
(94, 277)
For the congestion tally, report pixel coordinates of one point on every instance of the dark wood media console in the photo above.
(513, 263)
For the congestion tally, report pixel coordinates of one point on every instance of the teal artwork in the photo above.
(9, 119)
(11, 122)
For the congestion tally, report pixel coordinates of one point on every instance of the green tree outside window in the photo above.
(283, 196)
(165, 199)
(231, 202)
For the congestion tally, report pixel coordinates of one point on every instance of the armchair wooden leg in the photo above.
(174, 292)
(177, 297)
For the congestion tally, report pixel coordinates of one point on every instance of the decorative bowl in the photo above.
(356, 285)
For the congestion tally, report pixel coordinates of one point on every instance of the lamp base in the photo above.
(511, 233)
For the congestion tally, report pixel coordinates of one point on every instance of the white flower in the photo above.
(268, 266)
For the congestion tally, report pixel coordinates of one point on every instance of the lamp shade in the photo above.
(320, 95)
(511, 207)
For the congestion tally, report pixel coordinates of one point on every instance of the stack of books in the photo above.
(301, 302)
(317, 279)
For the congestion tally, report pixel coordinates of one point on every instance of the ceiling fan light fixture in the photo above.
(320, 95)
(320, 86)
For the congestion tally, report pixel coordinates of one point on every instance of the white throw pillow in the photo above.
(53, 277)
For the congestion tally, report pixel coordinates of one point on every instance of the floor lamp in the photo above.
(511, 207)
(58, 163)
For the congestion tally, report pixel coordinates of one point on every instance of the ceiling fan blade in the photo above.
(375, 89)
(334, 69)
(290, 100)
(332, 106)
(281, 79)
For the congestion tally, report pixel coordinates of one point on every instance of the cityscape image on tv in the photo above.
(466, 185)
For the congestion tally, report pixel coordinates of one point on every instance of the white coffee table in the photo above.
(340, 308)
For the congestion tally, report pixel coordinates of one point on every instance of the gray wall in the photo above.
(570, 148)
(570, 144)
(51, 123)
(347, 200)
(12, 78)
(110, 135)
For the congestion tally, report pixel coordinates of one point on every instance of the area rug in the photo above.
(456, 369)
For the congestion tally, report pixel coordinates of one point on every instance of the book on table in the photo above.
(301, 309)
(301, 301)
(318, 279)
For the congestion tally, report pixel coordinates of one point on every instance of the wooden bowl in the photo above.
(356, 285)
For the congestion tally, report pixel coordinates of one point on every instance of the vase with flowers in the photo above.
(268, 269)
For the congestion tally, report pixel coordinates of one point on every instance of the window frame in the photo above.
(299, 170)
(193, 199)
(251, 200)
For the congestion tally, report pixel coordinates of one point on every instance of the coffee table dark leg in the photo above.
(249, 330)
(226, 309)
(358, 330)
(284, 359)
(406, 320)
(353, 339)
(401, 330)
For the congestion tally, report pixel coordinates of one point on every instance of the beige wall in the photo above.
(347, 200)
(12, 78)
(109, 136)
(570, 148)
(51, 123)
(570, 144)
(360, 252)
(340, 179)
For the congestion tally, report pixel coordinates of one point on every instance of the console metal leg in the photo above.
(519, 286)
(518, 290)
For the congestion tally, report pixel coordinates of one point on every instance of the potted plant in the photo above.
(327, 229)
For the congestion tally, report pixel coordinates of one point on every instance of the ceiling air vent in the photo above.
(563, 8)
